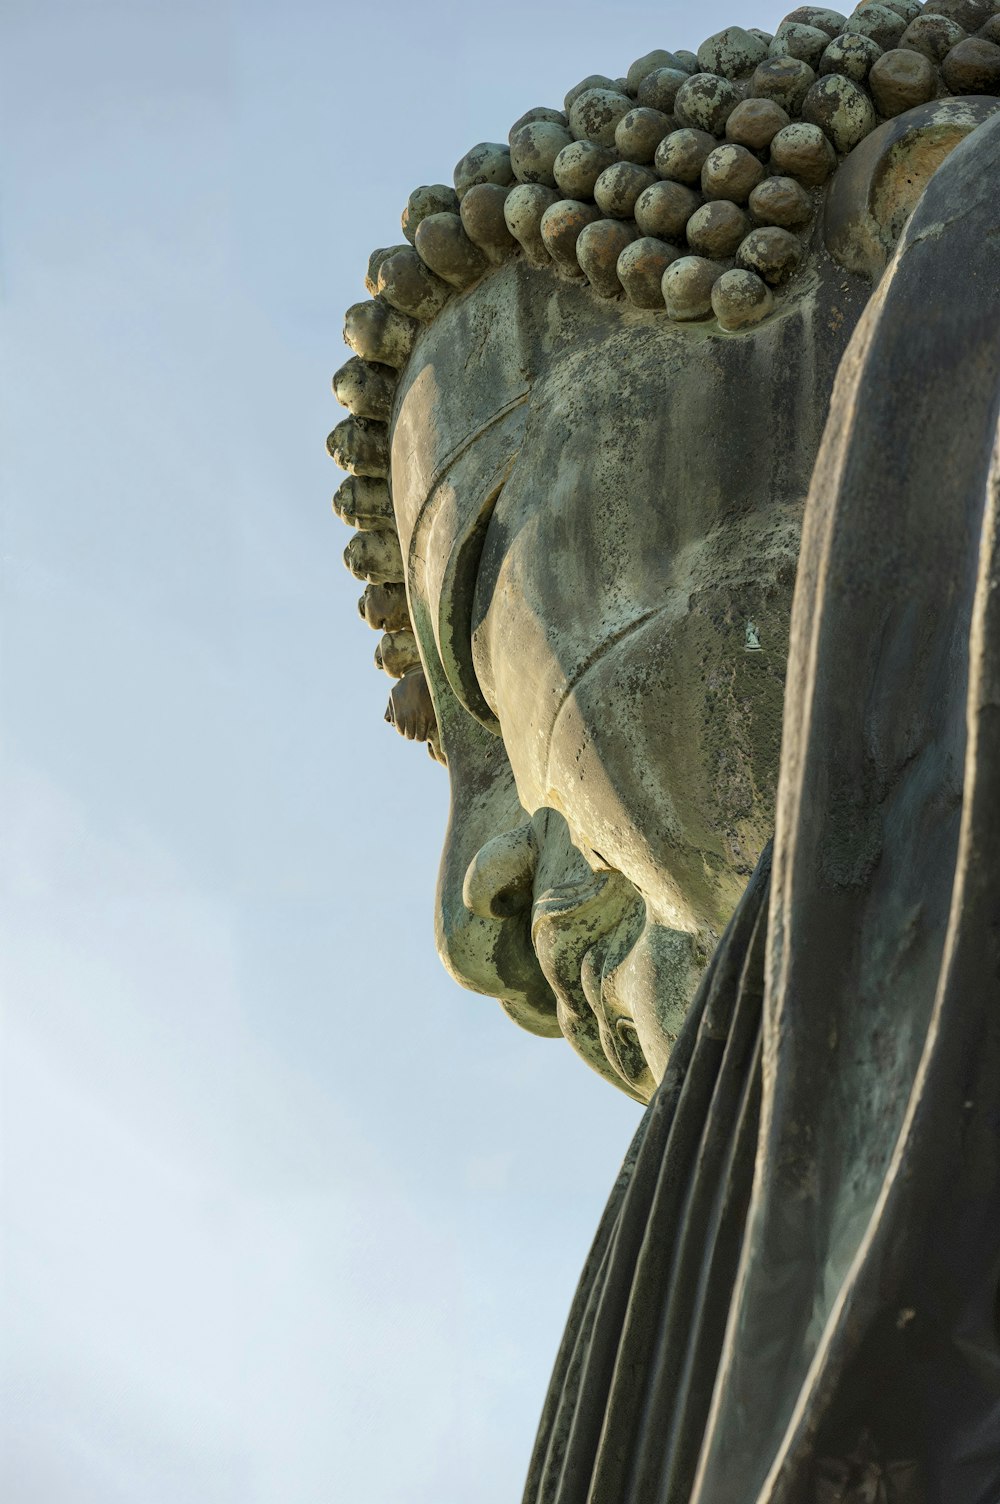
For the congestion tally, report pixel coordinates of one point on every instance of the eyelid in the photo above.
(442, 470)
(459, 586)
(445, 549)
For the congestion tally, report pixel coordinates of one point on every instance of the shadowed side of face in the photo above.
(600, 514)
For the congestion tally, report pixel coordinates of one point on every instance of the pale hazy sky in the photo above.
(287, 1217)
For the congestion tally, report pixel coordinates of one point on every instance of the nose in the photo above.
(500, 878)
(482, 874)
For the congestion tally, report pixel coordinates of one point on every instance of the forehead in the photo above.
(598, 379)
(477, 364)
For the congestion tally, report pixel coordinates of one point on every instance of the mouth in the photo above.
(619, 1034)
(568, 901)
(581, 931)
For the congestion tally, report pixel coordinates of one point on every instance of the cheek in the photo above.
(664, 755)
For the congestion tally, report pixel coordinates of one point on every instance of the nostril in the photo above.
(500, 879)
(507, 902)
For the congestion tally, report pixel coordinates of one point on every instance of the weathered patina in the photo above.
(595, 400)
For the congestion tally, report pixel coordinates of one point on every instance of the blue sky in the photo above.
(288, 1217)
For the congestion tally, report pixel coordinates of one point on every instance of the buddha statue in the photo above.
(669, 451)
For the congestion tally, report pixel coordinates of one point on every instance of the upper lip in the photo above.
(567, 900)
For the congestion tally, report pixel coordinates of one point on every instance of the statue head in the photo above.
(587, 399)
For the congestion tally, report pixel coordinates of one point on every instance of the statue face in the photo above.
(600, 514)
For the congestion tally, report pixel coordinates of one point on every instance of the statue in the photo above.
(671, 441)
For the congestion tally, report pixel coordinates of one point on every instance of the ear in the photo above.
(879, 184)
